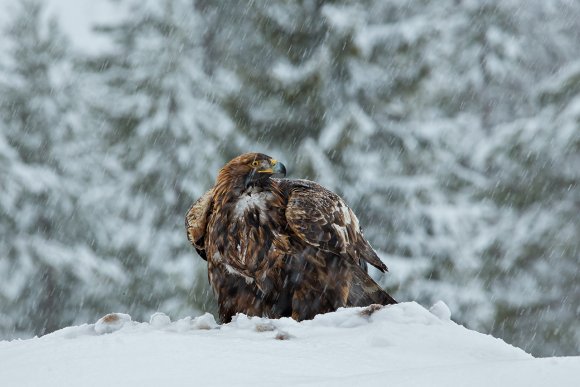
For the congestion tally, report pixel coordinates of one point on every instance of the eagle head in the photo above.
(251, 169)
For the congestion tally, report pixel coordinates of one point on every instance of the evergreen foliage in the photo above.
(46, 236)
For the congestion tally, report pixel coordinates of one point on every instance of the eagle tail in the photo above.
(364, 291)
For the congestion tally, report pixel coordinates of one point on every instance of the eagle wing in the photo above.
(196, 222)
(322, 219)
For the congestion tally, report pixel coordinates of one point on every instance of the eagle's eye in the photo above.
(255, 163)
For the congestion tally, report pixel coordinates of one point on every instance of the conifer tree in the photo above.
(532, 260)
(47, 263)
(166, 139)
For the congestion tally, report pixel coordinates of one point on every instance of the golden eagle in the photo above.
(280, 247)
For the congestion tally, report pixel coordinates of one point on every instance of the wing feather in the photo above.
(196, 222)
(322, 219)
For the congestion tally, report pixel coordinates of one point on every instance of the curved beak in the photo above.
(278, 169)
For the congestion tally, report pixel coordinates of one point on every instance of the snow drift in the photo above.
(399, 345)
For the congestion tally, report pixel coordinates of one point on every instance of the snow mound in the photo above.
(441, 310)
(401, 345)
(114, 322)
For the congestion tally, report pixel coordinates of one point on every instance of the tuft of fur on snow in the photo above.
(111, 322)
(265, 327)
(282, 335)
(369, 310)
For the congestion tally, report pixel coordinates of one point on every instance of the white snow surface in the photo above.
(398, 345)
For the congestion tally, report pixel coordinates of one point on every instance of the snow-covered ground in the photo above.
(400, 345)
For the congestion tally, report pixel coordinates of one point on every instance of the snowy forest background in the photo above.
(452, 127)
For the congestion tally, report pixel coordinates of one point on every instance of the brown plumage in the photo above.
(279, 247)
